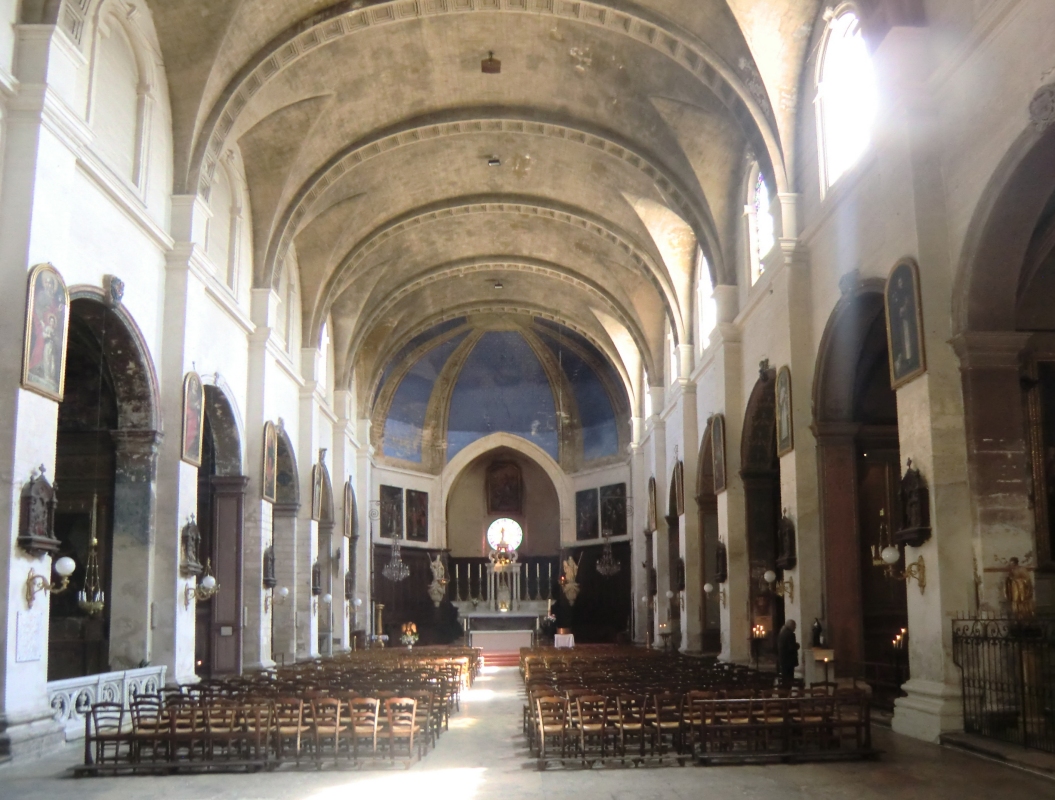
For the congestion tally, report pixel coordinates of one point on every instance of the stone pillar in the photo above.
(284, 610)
(132, 564)
(691, 537)
(999, 458)
(639, 548)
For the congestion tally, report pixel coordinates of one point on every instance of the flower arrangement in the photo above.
(410, 634)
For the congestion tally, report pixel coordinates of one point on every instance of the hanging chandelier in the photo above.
(396, 569)
(91, 597)
(607, 566)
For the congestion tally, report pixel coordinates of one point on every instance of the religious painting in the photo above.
(417, 516)
(613, 510)
(586, 514)
(351, 512)
(679, 488)
(651, 521)
(785, 426)
(391, 512)
(47, 328)
(718, 451)
(193, 418)
(505, 488)
(269, 477)
(904, 323)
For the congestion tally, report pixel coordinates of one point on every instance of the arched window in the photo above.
(116, 111)
(707, 308)
(325, 380)
(648, 397)
(847, 99)
(221, 238)
(672, 349)
(762, 237)
(287, 317)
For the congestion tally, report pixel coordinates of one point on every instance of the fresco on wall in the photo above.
(502, 387)
(434, 332)
(586, 515)
(406, 417)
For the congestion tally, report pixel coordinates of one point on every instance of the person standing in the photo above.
(787, 652)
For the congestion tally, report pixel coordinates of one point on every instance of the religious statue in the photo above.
(787, 556)
(915, 509)
(438, 587)
(568, 583)
(1018, 587)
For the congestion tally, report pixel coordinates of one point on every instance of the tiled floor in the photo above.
(483, 756)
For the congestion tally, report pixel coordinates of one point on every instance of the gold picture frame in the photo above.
(47, 333)
(903, 305)
(269, 466)
(783, 410)
(193, 419)
(718, 452)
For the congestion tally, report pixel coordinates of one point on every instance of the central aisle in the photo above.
(484, 757)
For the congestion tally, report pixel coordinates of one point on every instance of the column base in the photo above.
(29, 737)
(930, 709)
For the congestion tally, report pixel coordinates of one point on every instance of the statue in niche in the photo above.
(915, 509)
(269, 580)
(190, 542)
(787, 556)
(1018, 588)
(36, 522)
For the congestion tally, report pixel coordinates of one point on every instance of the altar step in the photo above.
(511, 659)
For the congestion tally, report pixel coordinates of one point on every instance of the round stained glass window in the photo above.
(505, 528)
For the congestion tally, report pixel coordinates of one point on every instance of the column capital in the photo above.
(990, 349)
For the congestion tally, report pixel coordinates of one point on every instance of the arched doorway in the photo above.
(707, 509)
(106, 448)
(859, 464)
(760, 471)
(328, 562)
(221, 500)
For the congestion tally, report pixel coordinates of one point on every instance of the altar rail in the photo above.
(1008, 679)
(72, 698)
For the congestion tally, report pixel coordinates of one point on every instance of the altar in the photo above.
(500, 631)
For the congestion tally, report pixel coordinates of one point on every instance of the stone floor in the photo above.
(484, 756)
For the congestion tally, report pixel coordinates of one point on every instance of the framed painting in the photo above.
(269, 475)
(47, 330)
(351, 512)
(904, 323)
(785, 425)
(417, 516)
(586, 518)
(391, 512)
(193, 418)
(505, 488)
(651, 521)
(679, 487)
(718, 451)
(613, 509)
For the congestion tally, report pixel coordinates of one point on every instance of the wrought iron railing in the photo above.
(1008, 679)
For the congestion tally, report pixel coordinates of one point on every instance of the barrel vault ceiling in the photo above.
(369, 134)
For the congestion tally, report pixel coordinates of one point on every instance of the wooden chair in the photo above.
(327, 728)
(289, 727)
(150, 727)
(401, 727)
(363, 719)
(667, 722)
(593, 727)
(551, 725)
(107, 740)
(630, 710)
(188, 733)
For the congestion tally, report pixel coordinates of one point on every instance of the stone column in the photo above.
(691, 537)
(132, 562)
(999, 459)
(284, 610)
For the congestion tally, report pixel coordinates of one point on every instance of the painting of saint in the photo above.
(718, 451)
(391, 512)
(504, 488)
(47, 326)
(651, 521)
(269, 478)
(193, 418)
(613, 509)
(904, 323)
(785, 429)
(586, 514)
(417, 516)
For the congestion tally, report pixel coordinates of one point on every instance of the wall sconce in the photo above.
(918, 570)
(708, 589)
(784, 588)
(64, 567)
(352, 608)
(270, 601)
(681, 598)
(205, 590)
(326, 598)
